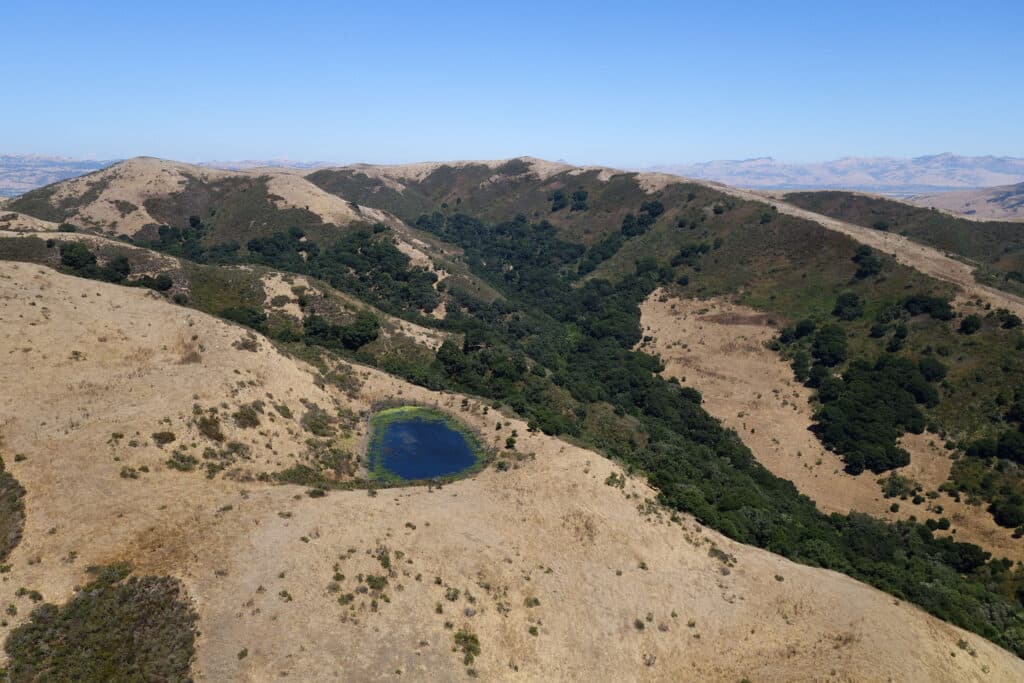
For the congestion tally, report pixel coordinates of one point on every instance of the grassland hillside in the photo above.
(527, 286)
(541, 571)
(129, 196)
(273, 302)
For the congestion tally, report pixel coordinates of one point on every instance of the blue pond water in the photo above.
(422, 449)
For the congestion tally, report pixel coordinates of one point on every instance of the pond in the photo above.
(418, 443)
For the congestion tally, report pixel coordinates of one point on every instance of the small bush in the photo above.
(318, 422)
(163, 438)
(246, 417)
(183, 462)
(469, 643)
(209, 426)
(970, 324)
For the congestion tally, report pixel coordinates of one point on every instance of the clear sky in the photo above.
(620, 83)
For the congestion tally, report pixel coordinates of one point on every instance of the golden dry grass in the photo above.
(258, 559)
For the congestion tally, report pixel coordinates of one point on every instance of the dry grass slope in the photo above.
(617, 590)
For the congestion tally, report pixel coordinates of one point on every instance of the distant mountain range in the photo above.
(901, 177)
(897, 177)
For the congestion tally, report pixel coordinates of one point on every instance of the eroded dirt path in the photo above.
(920, 257)
(719, 349)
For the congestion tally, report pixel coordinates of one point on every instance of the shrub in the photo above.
(183, 462)
(849, 306)
(163, 438)
(469, 643)
(898, 486)
(162, 282)
(867, 263)
(931, 369)
(1010, 321)
(246, 417)
(579, 200)
(363, 330)
(934, 306)
(317, 421)
(558, 201)
(209, 426)
(970, 324)
(803, 328)
(653, 208)
(76, 256)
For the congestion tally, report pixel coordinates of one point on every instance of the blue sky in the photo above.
(629, 84)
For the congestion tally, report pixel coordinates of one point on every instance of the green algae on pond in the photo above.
(412, 443)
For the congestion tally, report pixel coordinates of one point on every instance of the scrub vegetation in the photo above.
(115, 628)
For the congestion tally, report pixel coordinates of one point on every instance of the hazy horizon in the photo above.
(285, 161)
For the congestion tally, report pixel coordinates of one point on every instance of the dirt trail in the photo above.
(925, 259)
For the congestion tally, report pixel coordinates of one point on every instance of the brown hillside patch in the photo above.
(718, 348)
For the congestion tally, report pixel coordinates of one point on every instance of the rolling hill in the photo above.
(595, 327)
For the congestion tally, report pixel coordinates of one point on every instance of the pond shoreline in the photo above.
(382, 419)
